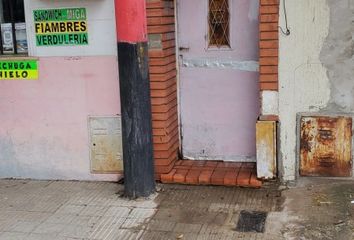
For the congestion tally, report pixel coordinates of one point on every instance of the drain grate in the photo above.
(250, 221)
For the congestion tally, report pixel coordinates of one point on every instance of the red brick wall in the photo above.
(268, 44)
(162, 54)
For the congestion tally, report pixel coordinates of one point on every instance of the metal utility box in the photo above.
(106, 144)
(266, 149)
(325, 146)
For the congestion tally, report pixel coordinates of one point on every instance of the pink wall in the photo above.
(44, 133)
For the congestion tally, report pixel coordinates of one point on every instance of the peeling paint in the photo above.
(266, 149)
(337, 55)
(303, 82)
(270, 101)
(217, 63)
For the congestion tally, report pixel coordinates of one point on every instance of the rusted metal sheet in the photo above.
(325, 146)
(266, 149)
(106, 144)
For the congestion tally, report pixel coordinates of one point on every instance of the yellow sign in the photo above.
(61, 27)
(19, 69)
(58, 27)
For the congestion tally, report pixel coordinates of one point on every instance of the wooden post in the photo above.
(135, 98)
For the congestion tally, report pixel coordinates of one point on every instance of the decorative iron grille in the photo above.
(219, 23)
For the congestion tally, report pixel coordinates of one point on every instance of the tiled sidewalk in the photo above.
(63, 210)
(72, 210)
(189, 212)
(313, 208)
(213, 173)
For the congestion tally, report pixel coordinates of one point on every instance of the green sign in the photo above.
(57, 27)
(18, 69)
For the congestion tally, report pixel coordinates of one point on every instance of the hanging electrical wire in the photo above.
(287, 30)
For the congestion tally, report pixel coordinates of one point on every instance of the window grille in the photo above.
(219, 23)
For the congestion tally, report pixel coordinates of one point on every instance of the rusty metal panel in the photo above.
(106, 144)
(266, 149)
(325, 146)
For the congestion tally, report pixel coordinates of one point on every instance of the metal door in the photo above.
(218, 78)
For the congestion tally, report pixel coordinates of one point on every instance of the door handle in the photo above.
(183, 48)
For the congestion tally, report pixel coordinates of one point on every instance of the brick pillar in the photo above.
(269, 44)
(269, 47)
(162, 54)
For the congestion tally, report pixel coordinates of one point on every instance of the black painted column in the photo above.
(135, 98)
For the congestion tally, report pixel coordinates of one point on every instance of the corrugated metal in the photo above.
(266, 149)
(106, 144)
(325, 146)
